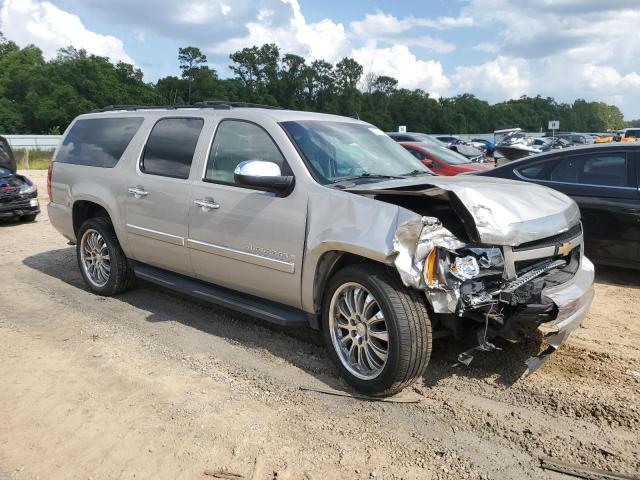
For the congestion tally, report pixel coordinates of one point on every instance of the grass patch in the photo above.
(33, 159)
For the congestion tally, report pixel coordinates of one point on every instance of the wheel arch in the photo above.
(328, 264)
(85, 207)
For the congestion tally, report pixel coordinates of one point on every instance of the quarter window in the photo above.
(537, 171)
(235, 142)
(98, 142)
(171, 146)
(606, 169)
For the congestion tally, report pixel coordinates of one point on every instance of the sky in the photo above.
(495, 49)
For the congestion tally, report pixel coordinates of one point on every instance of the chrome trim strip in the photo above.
(534, 253)
(555, 182)
(280, 265)
(156, 235)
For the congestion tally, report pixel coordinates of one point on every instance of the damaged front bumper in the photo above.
(496, 291)
(573, 300)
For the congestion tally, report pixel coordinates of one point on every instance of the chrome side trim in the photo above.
(155, 234)
(556, 182)
(280, 265)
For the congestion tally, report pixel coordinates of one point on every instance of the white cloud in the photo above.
(487, 47)
(425, 41)
(281, 22)
(382, 24)
(50, 28)
(500, 79)
(398, 62)
(570, 49)
(328, 40)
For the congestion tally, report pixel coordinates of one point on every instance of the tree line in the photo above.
(40, 97)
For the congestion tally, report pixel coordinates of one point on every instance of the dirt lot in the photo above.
(156, 385)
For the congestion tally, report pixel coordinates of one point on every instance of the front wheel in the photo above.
(377, 330)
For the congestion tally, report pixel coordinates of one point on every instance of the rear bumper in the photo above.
(61, 218)
(19, 208)
(573, 300)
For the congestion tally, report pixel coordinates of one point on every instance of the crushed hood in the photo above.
(505, 212)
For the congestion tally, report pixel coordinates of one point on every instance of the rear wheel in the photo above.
(102, 262)
(377, 330)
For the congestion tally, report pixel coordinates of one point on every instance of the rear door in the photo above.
(247, 240)
(158, 194)
(604, 185)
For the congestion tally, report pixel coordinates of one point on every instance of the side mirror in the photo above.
(427, 163)
(262, 175)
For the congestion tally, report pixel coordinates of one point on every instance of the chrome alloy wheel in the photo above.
(358, 331)
(95, 258)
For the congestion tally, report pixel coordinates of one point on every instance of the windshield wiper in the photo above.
(415, 173)
(365, 175)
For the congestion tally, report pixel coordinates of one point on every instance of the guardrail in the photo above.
(33, 151)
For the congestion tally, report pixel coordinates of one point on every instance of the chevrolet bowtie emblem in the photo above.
(565, 249)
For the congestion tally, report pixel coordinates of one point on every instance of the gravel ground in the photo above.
(153, 384)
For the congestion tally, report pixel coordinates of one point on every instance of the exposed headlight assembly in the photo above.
(27, 189)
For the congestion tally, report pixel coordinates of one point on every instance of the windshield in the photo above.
(448, 156)
(337, 151)
(4, 172)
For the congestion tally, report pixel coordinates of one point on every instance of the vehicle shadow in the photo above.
(505, 366)
(619, 277)
(302, 347)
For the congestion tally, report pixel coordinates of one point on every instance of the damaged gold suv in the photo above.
(305, 219)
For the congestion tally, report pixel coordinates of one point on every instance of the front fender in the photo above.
(345, 223)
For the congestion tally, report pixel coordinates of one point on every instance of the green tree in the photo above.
(190, 59)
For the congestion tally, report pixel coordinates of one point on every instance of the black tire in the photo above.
(121, 275)
(409, 328)
(28, 218)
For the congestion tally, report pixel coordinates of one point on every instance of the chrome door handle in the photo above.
(138, 192)
(206, 204)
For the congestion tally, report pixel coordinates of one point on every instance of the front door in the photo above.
(158, 195)
(245, 239)
(603, 184)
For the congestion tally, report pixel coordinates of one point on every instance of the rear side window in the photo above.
(170, 147)
(608, 169)
(98, 142)
(237, 141)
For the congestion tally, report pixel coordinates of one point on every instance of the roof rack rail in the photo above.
(213, 104)
(224, 103)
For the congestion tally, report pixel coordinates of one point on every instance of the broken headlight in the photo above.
(474, 262)
(472, 273)
(444, 267)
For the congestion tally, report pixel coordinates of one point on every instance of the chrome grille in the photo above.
(544, 249)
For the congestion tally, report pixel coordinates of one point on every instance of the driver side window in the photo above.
(236, 141)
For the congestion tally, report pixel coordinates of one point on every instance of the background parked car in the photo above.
(604, 181)
(18, 197)
(467, 150)
(463, 147)
(631, 133)
(441, 160)
(488, 145)
(7, 159)
(415, 137)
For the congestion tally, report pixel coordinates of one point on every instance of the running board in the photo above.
(272, 312)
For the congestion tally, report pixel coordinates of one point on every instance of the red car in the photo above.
(443, 161)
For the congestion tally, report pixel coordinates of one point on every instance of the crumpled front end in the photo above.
(500, 291)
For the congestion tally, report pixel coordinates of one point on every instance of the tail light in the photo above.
(49, 175)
